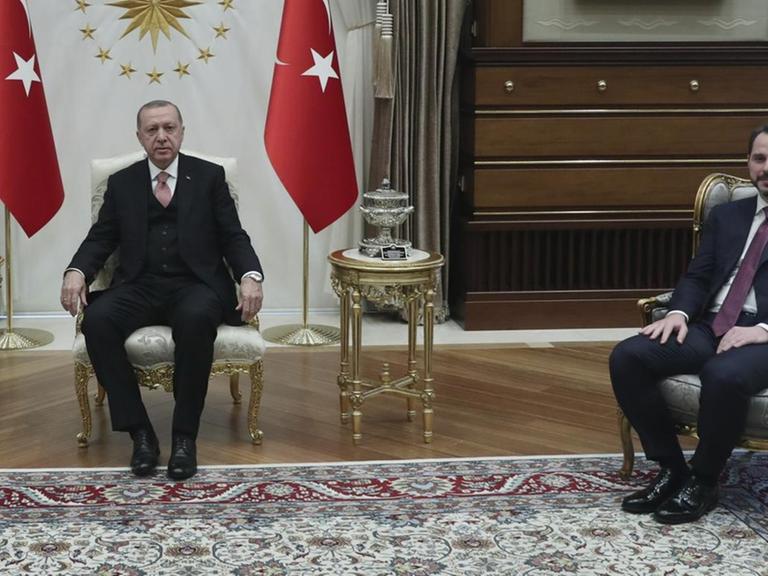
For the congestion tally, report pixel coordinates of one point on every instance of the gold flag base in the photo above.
(302, 334)
(24, 338)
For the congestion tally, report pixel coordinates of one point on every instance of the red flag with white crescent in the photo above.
(306, 134)
(30, 182)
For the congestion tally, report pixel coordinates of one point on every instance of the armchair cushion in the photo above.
(681, 393)
(152, 347)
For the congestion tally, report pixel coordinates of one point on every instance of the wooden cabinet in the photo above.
(579, 166)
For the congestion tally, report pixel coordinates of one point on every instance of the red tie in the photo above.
(737, 295)
(162, 190)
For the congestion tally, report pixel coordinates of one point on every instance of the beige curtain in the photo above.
(416, 132)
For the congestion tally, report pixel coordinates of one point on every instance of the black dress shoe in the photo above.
(183, 461)
(652, 496)
(145, 452)
(688, 504)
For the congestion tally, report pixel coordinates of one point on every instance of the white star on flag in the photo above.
(322, 68)
(25, 72)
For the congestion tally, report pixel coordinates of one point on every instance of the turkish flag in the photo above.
(30, 182)
(306, 133)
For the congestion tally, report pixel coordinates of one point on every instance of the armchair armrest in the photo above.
(654, 308)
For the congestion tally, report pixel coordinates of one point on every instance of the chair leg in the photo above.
(234, 388)
(256, 372)
(625, 432)
(82, 374)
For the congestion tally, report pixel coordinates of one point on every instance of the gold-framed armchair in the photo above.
(237, 349)
(681, 392)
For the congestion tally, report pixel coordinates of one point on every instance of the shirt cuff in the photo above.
(258, 276)
(763, 325)
(75, 270)
(679, 312)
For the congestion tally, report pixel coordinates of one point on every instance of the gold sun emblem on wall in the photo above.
(193, 30)
(154, 16)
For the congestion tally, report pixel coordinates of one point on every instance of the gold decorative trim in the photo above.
(702, 196)
(162, 377)
(256, 373)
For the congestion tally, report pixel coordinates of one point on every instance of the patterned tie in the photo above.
(162, 190)
(737, 295)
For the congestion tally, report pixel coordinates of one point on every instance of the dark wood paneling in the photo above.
(591, 187)
(574, 259)
(619, 136)
(498, 22)
(625, 54)
(625, 85)
(564, 312)
(577, 201)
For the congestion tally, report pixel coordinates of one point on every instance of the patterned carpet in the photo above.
(454, 517)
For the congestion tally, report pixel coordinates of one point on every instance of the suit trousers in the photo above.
(190, 308)
(728, 380)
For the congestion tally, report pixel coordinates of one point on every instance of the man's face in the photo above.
(758, 164)
(160, 133)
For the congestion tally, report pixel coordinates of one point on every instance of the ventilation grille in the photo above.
(532, 260)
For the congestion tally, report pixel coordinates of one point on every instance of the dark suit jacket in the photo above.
(209, 230)
(722, 241)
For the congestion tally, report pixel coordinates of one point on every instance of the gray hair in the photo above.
(157, 104)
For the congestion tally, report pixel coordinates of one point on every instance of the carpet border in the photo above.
(343, 463)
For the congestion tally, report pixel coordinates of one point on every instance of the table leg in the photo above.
(343, 378)
(413, 321)
(428, 392)
(357, 394)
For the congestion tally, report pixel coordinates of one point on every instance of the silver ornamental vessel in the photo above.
(384, 208)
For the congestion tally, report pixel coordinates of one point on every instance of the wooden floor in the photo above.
(491, 401)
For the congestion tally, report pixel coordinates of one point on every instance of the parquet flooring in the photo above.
(491, 401)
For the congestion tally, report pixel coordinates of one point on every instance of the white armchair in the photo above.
(150, 349)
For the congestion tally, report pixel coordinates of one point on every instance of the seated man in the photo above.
(716, 328)
(175, 223)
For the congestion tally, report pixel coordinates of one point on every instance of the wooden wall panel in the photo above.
(582, 187)
(498, 22)
(562, 312)
(624, 85)
(620, 136)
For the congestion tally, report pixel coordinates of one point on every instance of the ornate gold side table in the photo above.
(356, 277)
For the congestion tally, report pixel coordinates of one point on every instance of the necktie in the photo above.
(734, 301)
(162, 190)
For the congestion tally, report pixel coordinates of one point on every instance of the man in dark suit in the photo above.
(177, 229)
(716, 328)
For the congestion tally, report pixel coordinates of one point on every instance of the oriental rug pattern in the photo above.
(516, 516)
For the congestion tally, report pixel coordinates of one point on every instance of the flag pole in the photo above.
(303, 334)
(17, 338)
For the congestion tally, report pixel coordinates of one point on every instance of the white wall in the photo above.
(224, 103)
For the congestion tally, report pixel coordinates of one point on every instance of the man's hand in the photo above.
(739, 336)
(666, 326)
(73, 292)
(251, 296)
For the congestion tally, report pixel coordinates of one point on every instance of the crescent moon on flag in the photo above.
(327, 11)
(26, 10)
